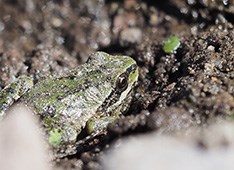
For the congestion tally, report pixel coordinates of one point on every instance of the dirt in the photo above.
(192, 86)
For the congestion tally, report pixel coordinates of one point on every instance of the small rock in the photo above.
(130, 36)
(21, 144)
(211, 48)
(197, 149)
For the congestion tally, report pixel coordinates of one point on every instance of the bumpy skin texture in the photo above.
(13, 92)
(91, 95)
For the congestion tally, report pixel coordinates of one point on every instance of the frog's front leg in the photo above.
(98, 125)
(13, 92)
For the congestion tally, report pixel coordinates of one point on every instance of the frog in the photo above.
(86, 98)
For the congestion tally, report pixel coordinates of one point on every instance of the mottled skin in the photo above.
(90, 96)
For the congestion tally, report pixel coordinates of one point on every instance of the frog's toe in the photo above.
(98, 125)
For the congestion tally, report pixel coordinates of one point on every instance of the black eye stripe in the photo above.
(132, 68)
(115, 94)
(110, 100)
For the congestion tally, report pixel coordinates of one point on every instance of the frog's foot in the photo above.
(13, 92)
(95, 127)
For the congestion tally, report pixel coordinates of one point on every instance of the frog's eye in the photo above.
(122, 82)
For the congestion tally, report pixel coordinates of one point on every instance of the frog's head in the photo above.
(122, 73)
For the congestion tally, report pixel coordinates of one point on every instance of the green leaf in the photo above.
(171, 44)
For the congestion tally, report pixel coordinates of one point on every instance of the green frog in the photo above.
(86, 98)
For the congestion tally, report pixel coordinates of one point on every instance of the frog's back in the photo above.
(71, 99)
